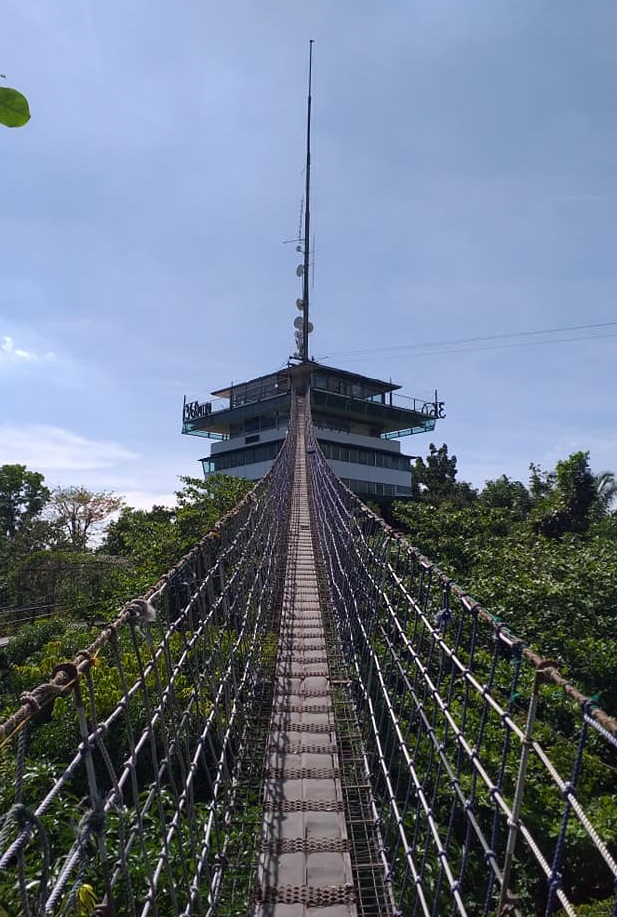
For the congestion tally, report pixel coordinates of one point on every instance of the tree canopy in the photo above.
(543, 558)
(80, 514)
(22, 498)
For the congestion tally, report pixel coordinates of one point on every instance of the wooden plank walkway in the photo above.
(304, 866)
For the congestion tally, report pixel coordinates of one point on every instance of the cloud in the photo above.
(54, 449)
(11, 355)
(142, 499)
(67, 458)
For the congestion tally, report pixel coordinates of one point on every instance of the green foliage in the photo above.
(435, 479)
(503, 493)
(14, 108)
(148, 540)
(46, 558)
(201, 502)
(606, 492)
(153, 541)
(32, 638)
(22, 498)
(566, 497)
(543, 559)
(82, 585)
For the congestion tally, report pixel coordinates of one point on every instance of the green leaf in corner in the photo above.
(14, 109)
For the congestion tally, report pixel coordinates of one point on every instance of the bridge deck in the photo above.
(305, 866)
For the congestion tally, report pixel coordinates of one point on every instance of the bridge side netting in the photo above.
(156, 717)
(492, 778)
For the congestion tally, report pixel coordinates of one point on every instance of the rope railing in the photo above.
(153, 720)
(494, 778)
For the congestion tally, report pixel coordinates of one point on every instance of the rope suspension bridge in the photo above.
(306, 717)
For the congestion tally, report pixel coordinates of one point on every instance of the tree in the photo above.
(81, 513)
(72, 583)
(566, 496)
(22, 498)
(201, 502)
(148, 538)
(503, 493)
(154, 540)
(435, 479)
(541, 483)
(606, 491)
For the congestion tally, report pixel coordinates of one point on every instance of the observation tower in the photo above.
(358, 419)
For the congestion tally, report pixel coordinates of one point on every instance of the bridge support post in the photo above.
(507, 899)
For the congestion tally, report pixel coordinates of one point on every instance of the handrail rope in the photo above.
(61, 683)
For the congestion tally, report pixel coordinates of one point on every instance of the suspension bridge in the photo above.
(306, 717)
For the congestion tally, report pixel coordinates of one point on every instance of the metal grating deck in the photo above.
(304, 865)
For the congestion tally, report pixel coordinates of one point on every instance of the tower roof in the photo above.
(378, 384)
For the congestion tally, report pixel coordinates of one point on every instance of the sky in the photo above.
(465, 186)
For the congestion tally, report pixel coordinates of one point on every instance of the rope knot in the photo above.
(20, 815)
(142, 609)
(70, 672)
(93, 822)
(28, 699)
(591, 703)
(443, 618)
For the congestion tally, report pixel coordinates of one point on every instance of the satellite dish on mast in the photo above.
(300, 304)
(309, 327)
(300, 270)
(298, 323)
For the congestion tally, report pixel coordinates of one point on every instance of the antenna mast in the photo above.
(304, 353)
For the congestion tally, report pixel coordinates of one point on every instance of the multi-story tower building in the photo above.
(358, 419)
(358, 422)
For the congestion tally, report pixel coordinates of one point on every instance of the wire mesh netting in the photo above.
(155, 718)
(492, 778)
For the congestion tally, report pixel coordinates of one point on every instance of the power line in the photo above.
(478, 339)
(430, 353)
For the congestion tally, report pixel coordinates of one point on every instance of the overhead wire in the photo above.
(430, 353)
(419, 347)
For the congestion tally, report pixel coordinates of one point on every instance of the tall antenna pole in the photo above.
(307, 218)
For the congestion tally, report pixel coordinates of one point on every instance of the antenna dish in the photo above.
(309, 326)
(300, 304)
(298, 323)
(300, 270)
(298, 248)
